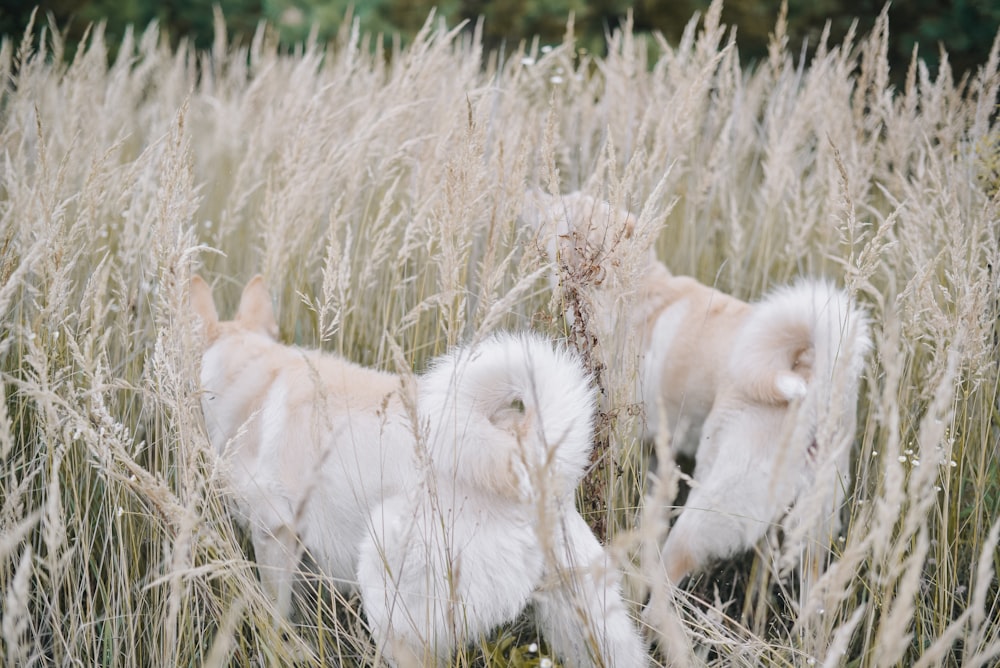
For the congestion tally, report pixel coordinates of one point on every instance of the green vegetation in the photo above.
(378, 194)
(964, 29)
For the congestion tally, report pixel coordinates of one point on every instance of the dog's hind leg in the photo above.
(278, 554)
(581, 610)
(404, 587)
(438, 575)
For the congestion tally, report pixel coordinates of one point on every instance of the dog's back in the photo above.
(689, 331)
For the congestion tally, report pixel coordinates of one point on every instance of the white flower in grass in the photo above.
(293, 17)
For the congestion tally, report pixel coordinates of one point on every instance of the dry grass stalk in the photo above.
(380, 196)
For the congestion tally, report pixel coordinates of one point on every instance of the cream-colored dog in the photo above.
(447, 502)
(763, 394)
(780, 379)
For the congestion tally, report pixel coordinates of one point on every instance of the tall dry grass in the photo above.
(378, 193)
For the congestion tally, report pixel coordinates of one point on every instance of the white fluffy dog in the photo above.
(785, 375)
(764, 394)
(447, 502)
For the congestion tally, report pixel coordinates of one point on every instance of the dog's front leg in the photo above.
(581, 610)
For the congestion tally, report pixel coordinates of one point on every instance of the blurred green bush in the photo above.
(964, 28)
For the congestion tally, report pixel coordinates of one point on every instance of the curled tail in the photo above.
(837, 341)
(803, 336)
(507, 410)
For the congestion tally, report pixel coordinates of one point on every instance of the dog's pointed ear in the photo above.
(255, 311)
(204, 306)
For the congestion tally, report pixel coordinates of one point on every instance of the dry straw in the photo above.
(379, 193)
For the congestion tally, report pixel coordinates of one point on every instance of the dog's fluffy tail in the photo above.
(508, 410)
(805, 335)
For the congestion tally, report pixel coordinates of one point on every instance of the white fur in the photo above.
(471, 393)
(790, 386)
(448, 526)
(757, 457)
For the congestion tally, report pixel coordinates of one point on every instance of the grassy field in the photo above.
(378, 193)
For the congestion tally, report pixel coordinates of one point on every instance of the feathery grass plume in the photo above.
(17, 617)
(379, 193)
